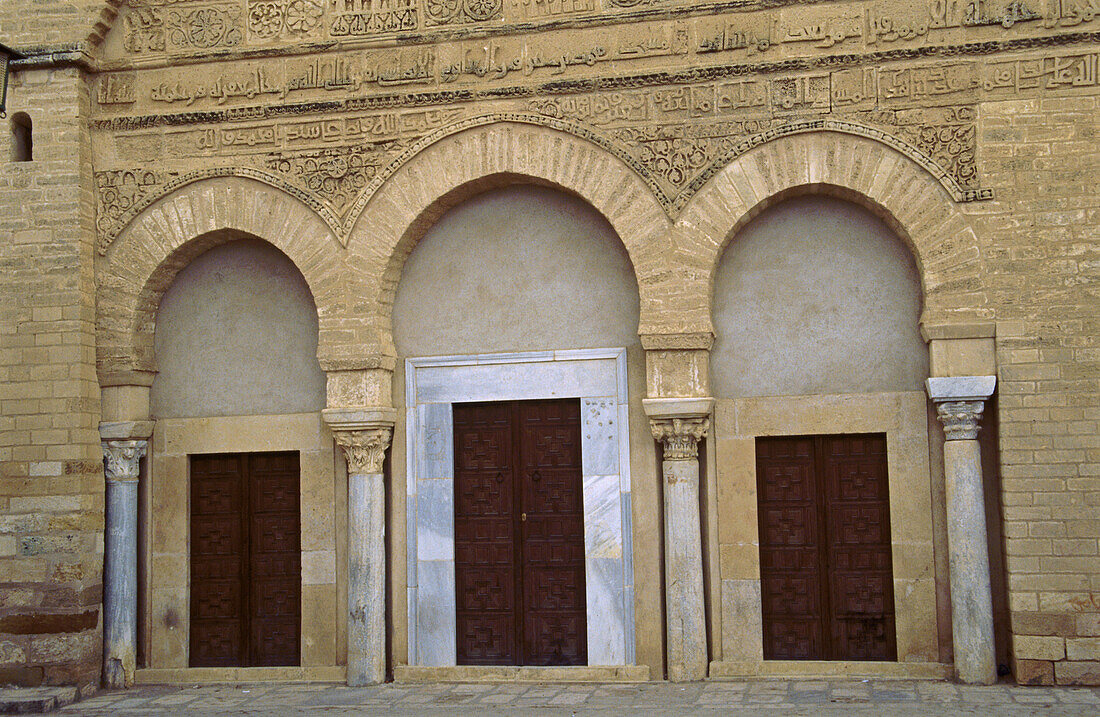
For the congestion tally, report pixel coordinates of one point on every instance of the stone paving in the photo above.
(757, 697)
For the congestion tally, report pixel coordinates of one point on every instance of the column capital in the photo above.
(679, 424)
(364, 435)
(961, 419)
(680, 436)
(365, 448)
(122, 459)
(960, 401)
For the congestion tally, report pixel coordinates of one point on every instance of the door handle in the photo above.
(523, 517)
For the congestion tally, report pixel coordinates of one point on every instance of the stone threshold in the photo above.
(215, 675)
(805, 669)
(479, 673)
(30, 700)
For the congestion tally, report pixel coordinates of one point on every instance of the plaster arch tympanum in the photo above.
(175, 229)
(906, 196)
(461, 165)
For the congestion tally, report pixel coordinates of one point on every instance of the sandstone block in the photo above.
(1083, 648)
(1034, 672)
(1030, 647)
(1077, 673)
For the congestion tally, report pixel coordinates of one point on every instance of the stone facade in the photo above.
(342, 131)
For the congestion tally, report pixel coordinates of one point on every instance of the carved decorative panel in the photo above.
(825, 561)
(245, 560)
(519, 533)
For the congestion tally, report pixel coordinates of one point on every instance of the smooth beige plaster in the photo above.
(816, 296)
(236, 334)
(167, 574)
(903, 417)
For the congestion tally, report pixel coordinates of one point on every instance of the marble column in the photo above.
(364, 443)
(122, 467)
(679, 425)
(959, 403)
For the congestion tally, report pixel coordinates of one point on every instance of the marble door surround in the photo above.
(598, 378)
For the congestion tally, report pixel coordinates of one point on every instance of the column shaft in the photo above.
(971, 595)
(679, 425)
(120, 585)
(685, 611)
(122, 465)
(364, 437)
(366, 579)
(960, 401)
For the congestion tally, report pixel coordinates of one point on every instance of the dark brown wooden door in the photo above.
(245, 560)
(825, 563)
(519, 534)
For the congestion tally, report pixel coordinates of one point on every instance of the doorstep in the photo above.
(814, 669)
(492, 673)
(214, 675)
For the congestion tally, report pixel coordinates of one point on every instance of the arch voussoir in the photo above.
(149, 251)
(458, 166)
(860, 169)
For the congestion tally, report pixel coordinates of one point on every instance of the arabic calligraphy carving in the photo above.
(205, 27)
(366, 17)
(116, 89)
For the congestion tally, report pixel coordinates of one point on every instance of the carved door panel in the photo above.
(519, 534)
(552, 533)
(825, 562)
(245, 560)
(485, 570)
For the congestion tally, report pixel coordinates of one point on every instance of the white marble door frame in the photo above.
(598, 378)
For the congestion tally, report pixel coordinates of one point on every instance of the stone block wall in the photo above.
(51, 465)
(1042, 157)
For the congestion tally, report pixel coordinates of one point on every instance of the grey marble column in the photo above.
(122, 466)
(364, 445)
(679, 425)
(959, 404)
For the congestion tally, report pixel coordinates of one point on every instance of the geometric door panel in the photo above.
(519, 534)
(825, 548)
(245, 560)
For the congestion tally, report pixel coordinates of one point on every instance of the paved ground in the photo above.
(762, 697)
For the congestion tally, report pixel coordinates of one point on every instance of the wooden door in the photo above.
(245, 560)
(519, 534)
(825, 561)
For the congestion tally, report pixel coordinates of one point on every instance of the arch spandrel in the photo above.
(149, 252)
(458, 166)
(911, 200)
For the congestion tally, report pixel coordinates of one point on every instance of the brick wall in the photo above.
(51, 471)
(1042, 156)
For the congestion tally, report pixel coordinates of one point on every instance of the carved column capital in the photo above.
(960, 419)
(680, 436)
(364, 448)
(122, 459)
(960, 401)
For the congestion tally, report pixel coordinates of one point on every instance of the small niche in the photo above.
(21, 140)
